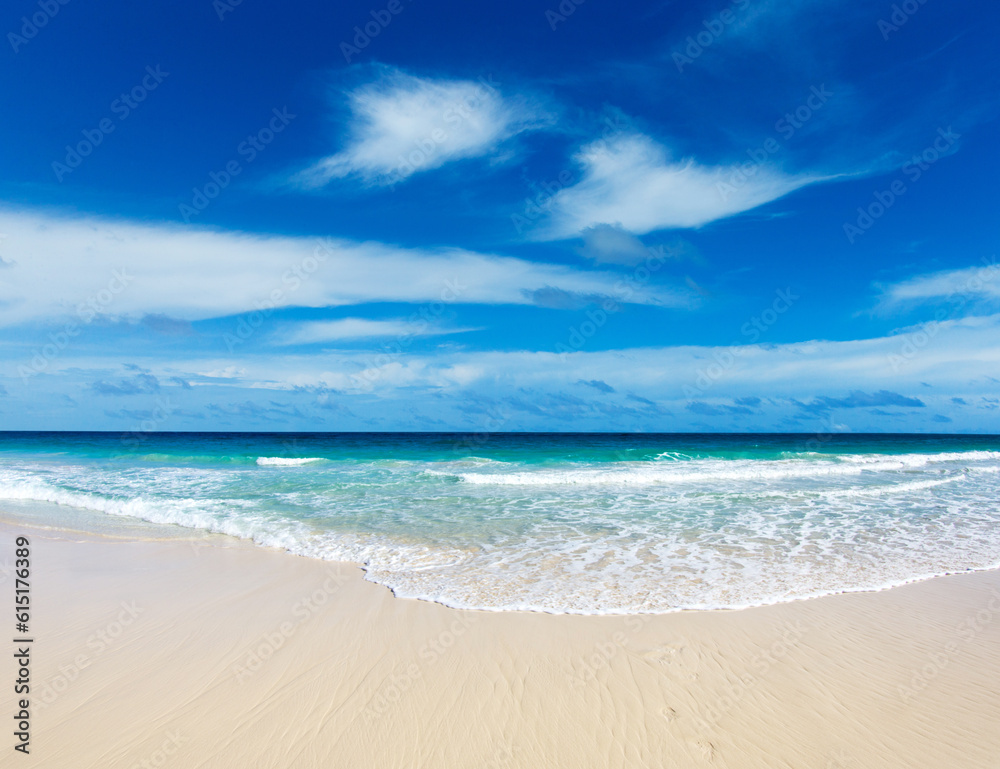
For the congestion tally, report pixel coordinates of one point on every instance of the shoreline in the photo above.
(178, 532)
(738, 526)
(128, 527)
(246, 656)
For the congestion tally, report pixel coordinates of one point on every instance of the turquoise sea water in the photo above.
(590, 523)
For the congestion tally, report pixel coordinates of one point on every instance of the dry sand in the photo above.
(214, 653)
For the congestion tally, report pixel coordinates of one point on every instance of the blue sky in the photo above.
(746, 215)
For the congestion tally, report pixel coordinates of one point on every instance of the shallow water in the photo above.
(553, 522)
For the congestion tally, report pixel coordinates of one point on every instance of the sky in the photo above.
(751, 216)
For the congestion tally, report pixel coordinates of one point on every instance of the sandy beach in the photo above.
(210, 652)
(564, 385)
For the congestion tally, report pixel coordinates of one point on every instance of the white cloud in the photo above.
(80, 267)
(962, 285)
(401, 125)
(608, 244)
(228, 372)
(362, 328)
(633, 182)
(812, 385)
(951, 355)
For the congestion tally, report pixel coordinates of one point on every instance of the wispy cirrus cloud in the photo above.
(968, 284)
(401, 124)
(347, 329)
(634, 182)
(87, 267)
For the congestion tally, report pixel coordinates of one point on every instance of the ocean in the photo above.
(565, 523)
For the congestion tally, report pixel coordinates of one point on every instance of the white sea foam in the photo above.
(709, 470)
(287, 461)
(675, 534)
(895, 488)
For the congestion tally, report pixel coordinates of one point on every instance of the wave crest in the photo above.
(287, 461)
